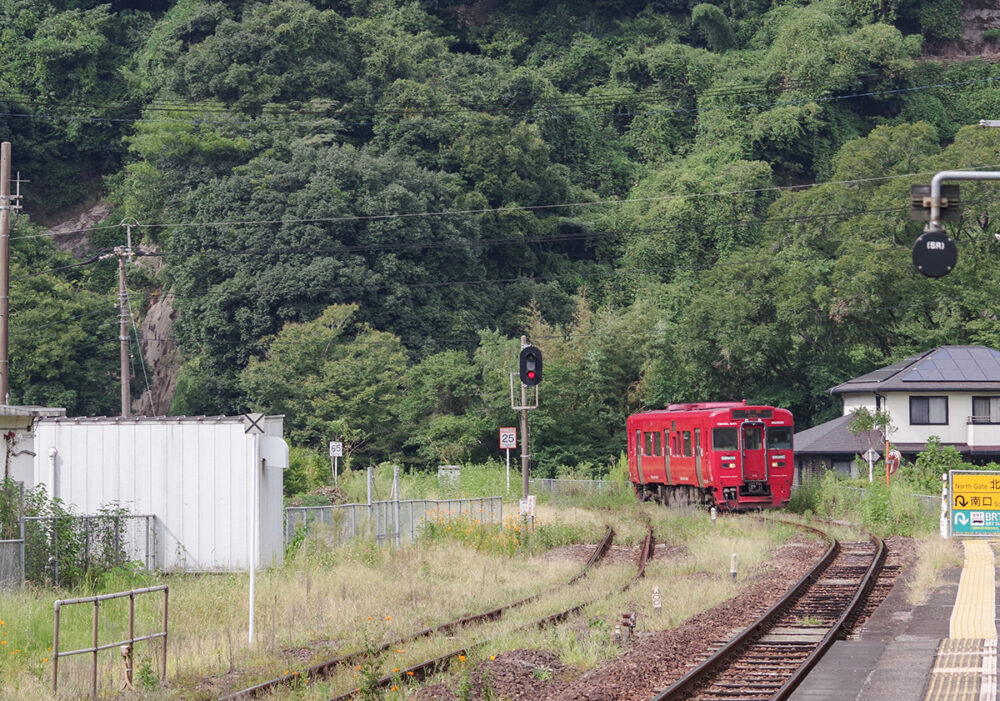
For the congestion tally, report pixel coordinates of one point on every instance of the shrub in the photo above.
(67, 550)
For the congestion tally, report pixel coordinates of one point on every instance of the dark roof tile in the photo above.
(945, 368)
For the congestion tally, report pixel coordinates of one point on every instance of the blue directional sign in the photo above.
(966, 522)
(975, 503)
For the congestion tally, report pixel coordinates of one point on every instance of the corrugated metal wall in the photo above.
(193, 474)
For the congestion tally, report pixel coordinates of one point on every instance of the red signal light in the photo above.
(531, 366)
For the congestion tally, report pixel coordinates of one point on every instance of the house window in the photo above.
(928, 411)
(986, 410)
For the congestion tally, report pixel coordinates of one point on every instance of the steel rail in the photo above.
(687, 685)
(867, 584)
(323, 669)
(422, 670)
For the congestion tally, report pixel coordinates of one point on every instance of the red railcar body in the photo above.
(732, 455)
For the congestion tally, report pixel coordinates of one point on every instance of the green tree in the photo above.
(332, 377)
(441, 408)
(63, 335)
(358, 246)
(875, 426)
(714, 25)
(275, 52)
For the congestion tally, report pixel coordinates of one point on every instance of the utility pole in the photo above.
(123, 253)
(123, 330)
(5, 207)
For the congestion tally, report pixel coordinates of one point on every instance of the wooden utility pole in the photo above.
(123, 329)
(6, 204)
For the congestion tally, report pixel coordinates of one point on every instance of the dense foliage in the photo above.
(361, 205)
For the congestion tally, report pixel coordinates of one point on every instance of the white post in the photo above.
(395, 504)
(871, 468)
(508, 470)
(371, 479)
(52, 472)
(945, 503)
(255, 476)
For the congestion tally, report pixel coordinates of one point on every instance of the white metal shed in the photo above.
(196, 475)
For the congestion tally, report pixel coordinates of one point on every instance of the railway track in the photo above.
(325, 669)
(771, 657)
(422, 670)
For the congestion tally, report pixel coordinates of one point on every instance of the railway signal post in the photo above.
(530, 372)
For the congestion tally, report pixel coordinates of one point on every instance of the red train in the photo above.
(728, 454)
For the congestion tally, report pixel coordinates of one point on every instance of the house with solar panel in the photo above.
(952, 392)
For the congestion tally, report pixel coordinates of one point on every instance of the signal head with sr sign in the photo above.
(934, 253)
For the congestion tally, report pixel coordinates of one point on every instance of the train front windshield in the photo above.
(779, 438)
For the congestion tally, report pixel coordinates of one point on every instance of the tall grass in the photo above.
(934, 555)
(483, 480)
(895, 509)
(325, 602)
(474, 481)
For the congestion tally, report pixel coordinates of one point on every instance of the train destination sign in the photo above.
(975, 503)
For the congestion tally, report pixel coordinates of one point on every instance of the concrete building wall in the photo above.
(957, 430)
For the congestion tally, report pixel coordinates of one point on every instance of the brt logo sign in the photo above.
(980, 522)
(975, 502)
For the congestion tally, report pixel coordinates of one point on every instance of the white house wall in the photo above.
(858, 401)
(957, 430)
(193, 475)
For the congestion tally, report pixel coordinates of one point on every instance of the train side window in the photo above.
(688, 450)
(657, 448)
(724, 439)
(779, 438)
(647, 443)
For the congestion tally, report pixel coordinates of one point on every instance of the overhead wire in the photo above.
(562, 205)
(243, 121)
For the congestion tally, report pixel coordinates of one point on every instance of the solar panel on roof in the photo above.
(957, 364)
(885, 373)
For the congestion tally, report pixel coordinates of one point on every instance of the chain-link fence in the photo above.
(60, 549)
(385, 521)
(567, 487)
(11, 563)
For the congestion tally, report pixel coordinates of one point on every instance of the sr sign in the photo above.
(934, 253)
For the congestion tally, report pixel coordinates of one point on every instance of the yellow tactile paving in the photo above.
(957, 673)
(974, 615)
(965, 667)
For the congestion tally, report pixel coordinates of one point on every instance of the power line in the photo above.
(499, 210)
(90, 261)
(458, 102)
(595, 203)
(612, 115)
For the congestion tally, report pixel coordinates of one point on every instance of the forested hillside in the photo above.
(355, 208)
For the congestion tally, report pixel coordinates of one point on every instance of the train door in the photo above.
(752, 449)
(667, 451)
(697, 457)
(638, 454)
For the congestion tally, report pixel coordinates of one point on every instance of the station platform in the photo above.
(942, 650)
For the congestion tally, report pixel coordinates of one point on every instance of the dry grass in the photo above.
(934, 555)
(324, 603)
